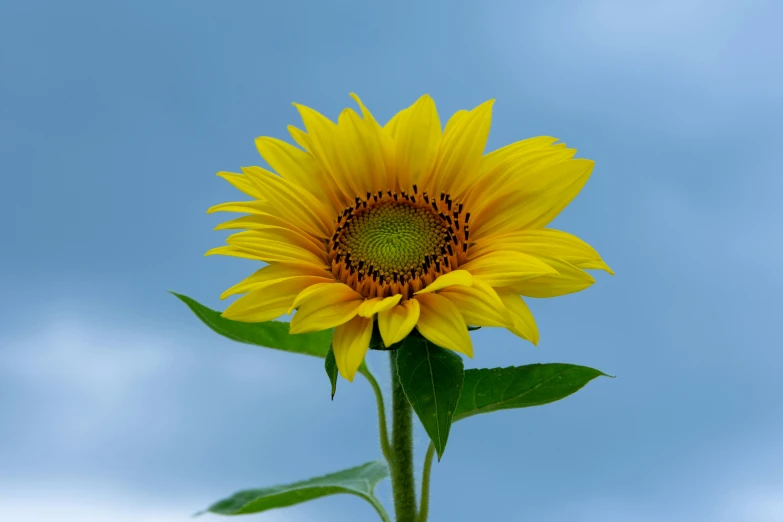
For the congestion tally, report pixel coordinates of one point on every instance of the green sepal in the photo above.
(330, 364)
(493, 389)
(431, 378)
(360, 481)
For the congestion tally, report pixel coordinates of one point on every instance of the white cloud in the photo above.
(86, 382)
(84, 390)
(694, 36)
(688, 68)
(755, 505)
(740, 480)
(699, 30)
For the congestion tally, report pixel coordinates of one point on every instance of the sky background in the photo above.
(116, 404)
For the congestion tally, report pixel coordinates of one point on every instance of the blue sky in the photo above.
(116, 404)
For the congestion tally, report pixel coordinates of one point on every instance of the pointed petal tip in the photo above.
(346, 376)
(487, 105)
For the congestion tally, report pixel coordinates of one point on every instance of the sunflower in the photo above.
(406, 224)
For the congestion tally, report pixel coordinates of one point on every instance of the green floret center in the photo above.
(394, 236)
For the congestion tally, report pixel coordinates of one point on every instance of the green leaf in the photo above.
(359, 481)
(331, 369)
(271, 334)
(432, 380)
(494, 389)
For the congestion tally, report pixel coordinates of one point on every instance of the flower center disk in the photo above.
(394, 237)
(398, 244)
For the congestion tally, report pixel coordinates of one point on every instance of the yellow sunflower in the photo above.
(408, 223)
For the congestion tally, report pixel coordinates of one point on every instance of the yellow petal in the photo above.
(268, 300)
(277, 271)
(378, 304)
(497, 167)
(479, 304)
(441, 323)
(455, 118)
(297, 166)
(539, 199)
(232, 251)
(510, 182)
(523, 324)
(393, 125)
(505, 156)
(305, 294)
(461, 151)
(252, 222)
(569, 280)
(350, 343)
(300, 137)
(456, 277)
(275, 229)
(546, 242)
(292, 202)
(241, 182)
(277, 244)
(396, 323)
(418, 137)
(248, 207)
(506, 267)
(326, 307)
(323, 141)
(360, 153)
(366, 114)
(386, 143)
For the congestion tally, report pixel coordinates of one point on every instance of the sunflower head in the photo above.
(403, 226)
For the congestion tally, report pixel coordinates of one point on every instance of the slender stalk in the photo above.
(424, 505)
(380, 510)
(385, 447)
(401, 463)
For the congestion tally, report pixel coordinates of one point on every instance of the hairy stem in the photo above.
(401, 463)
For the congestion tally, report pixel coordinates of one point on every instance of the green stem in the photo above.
(380, 510)
(385, 448)
(401, 463)
(424, 505)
